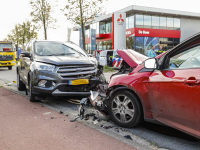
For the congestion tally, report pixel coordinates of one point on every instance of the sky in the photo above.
(18, 11)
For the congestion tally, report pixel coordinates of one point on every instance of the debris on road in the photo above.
(60, 112)
(128, 137)
(95, 122)
(72, 120)
(47, 113)
(116, 130)
(106, 127)
(75, 126)
(53, 118)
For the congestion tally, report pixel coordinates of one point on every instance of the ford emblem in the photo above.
(78, 70)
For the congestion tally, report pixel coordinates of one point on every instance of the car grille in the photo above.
(76, 71)
(6, 58)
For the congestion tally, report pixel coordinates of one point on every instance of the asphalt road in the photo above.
(146, 133)
(8, 75)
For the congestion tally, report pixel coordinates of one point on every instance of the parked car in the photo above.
(50, 68)
(164, 89)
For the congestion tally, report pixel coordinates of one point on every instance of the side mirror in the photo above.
(150, 63)
(25, 54)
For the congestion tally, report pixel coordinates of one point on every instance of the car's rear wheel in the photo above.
(20, 84)
(124, 109)
(10, 68)
(31, 95)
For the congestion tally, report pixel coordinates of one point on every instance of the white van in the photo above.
(114, 62)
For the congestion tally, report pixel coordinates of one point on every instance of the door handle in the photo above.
(192, 81)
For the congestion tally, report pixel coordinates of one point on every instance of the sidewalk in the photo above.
(26, 125)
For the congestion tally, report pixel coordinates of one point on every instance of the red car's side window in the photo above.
(187, 59)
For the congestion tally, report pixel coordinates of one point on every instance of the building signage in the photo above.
(120, 20)
(93, 39)
(119, 36)
(145, 32)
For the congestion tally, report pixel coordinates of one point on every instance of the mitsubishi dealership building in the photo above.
(139, 28)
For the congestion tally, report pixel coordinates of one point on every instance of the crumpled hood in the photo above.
(131, 57)
(63, 60)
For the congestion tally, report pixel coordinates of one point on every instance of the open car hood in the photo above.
(131, 57)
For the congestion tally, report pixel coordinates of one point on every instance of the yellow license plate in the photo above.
(78, 81)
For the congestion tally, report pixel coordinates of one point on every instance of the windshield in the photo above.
(57, 49)
(6, 47)
(115, 54)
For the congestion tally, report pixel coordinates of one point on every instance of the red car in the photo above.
(165, 89)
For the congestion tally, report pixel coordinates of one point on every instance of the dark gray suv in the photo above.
(50, 68)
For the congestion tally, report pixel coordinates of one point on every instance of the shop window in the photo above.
(102, 28)
(147, 21)
(163, 22)
(177, 24)
(108, 45)
(130, 43)
(170, 23)
(131, 22)
(108, 27)
(149, 42)
(139, 45)
(139, 21)
(127, 23)
(100, 46)
(155, 22)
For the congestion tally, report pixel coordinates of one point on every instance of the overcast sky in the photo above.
(17, 11)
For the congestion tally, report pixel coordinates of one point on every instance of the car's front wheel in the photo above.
(31, 95)
(124, 109)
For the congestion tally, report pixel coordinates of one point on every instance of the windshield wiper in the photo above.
(59, 54)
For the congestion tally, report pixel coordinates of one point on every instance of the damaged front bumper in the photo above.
(97, 99)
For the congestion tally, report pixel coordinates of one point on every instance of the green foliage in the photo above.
(108, 69)
(22, 33)
(42, 14)
(83, 12)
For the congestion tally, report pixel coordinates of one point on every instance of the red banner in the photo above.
(146, 32)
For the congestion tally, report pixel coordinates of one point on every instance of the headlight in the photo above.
(13, 62)
(42, 66)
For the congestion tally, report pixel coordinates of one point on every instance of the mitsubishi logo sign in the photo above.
(120, 20)
(143, 32)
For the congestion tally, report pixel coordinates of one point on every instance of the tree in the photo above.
(15, 34)
(83, 12)
(23, 33)
(42, 11)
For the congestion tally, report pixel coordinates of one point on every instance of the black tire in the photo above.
(31, 95)
(10, 68)
(119, 112)
(20, 84)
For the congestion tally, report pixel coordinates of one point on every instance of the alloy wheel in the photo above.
(123, 108)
